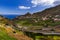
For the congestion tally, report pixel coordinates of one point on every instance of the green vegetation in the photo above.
(47, 37)
(31, 22)
(35, 20)
(4, 35)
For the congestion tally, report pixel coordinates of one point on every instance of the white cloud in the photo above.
(24, 7)
(43, 2)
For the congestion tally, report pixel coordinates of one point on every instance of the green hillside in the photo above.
(4, 35)
(8, 31)
(50, 17)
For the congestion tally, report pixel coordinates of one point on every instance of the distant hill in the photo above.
(47, 12)
(35, 18)
(50, 11)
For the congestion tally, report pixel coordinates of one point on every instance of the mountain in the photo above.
(10, 28)
(36, 19)
(50, 11)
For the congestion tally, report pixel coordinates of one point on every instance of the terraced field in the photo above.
(47, 37)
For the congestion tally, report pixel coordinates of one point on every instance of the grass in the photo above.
(48, 37)
(4, 35)
(30, 22)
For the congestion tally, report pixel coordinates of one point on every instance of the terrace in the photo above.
(47, 31)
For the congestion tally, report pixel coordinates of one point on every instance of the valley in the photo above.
(43, 25)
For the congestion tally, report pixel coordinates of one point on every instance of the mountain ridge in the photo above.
(35, 18)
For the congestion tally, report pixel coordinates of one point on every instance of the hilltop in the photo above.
(47, 16)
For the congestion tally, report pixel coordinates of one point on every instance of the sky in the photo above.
(20, 7)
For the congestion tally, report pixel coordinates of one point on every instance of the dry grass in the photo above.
(18, 35)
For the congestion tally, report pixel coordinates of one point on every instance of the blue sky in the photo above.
(20, 7)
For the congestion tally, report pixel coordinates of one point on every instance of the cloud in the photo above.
(44, 2)
(24, 7)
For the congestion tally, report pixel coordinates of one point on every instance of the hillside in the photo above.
(10, 29)
(50, 11)
(40, 18)
(3, 32)
(9, 32)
